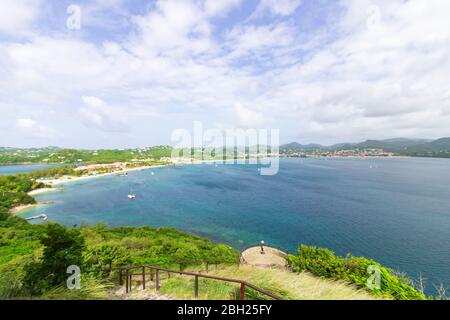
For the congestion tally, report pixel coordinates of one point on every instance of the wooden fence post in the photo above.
(131, 280)
(126, 280)
(143, 278)
(242, 291)
(196, 287)
(157, 280)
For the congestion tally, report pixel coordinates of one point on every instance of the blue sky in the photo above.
(320, 71)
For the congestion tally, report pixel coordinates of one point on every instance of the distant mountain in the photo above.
(398, 145)
(437, 146)
(390, 145)
(294, 146)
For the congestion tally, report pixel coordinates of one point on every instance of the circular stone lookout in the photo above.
(269, 258)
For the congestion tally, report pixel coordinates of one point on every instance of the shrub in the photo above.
(325, 263)
(187, 256)
(11, 277)
(62, 248)
(103, 257)
(3, 214)
(222, 254)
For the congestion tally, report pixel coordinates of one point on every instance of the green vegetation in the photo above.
(68, 156)
(34, 258)
(151, 155)
(324, 263)
(55, 172)
(14, 188)
(439, 148)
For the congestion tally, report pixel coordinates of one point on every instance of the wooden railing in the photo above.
(155, 275)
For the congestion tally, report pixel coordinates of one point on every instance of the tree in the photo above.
(3, 214)
(62, 248)
(106, 256)
(185, 256)
(222, 254)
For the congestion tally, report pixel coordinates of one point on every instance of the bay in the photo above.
(394, 210)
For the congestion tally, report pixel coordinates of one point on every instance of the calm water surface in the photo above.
(23, 168)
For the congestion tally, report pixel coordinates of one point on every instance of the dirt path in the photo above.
(137, 293)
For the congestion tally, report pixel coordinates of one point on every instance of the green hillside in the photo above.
(401, 146)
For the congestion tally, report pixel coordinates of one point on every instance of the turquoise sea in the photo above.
(396, 211)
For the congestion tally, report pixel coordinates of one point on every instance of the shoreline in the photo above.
(70, 179)
(43, 190)
(17, 211)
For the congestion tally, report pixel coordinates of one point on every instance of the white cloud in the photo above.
(97, 114)
(367, 77)
(30, 128)
(26, 123)
(276, 7)
(16, 17)
(175, 25)
(220, 7)
(247, 118)
(105, 14)
(264, 40)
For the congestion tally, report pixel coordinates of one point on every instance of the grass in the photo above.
(288, 285)
(91, 289)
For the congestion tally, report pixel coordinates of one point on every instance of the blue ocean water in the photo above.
(23, 168)
(396, 211)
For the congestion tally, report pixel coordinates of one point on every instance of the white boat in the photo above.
(153, 173)
(131, 196)
(40, 216)
(122, 174)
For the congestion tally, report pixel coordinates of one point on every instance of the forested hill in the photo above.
(56, 155)
(402, 146)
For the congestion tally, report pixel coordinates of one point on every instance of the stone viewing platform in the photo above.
(269, 258)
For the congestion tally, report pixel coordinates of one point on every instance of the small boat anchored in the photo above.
(122, 174)
(40, 216)
(131, 196)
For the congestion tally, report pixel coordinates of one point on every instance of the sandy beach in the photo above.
(43, 190)
(69, 179)
(21, 209)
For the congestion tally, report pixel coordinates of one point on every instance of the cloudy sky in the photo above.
(319, 70)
